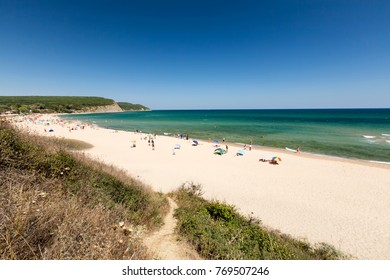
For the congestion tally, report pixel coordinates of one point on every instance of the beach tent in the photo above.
(219, 151)
(195, 143)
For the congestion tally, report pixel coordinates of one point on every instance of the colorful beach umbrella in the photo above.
(276, 159)
(195, 142)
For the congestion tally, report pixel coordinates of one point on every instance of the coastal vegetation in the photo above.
(126, 106)
(219, 232)
(55, 204)
(59, 104)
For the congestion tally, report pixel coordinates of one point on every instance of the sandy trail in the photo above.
(164, 243)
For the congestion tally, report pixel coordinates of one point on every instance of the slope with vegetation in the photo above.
(55, 204)
(219, 232)
(62, 104)
(126, 106)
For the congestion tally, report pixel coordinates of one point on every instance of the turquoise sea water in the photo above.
(350, 133)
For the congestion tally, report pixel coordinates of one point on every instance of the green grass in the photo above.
(219, 232)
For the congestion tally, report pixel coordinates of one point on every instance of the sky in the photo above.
(198, 54)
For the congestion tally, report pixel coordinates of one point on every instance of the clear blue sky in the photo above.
(188, 54)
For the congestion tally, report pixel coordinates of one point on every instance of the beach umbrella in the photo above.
(215, 141)
(195, 142)
(241, 152)
(219, 151)
(177, 146)
(276, 159)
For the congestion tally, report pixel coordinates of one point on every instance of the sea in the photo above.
(347, 133)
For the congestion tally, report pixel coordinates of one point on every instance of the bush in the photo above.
(218, 231)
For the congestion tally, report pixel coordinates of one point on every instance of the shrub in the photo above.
(219, 231)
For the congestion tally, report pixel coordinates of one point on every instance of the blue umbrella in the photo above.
(215, 141)
(195, 142)
(241, 152)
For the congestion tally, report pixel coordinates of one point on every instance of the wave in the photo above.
(387, 135)
(388, 141)
(369, 136)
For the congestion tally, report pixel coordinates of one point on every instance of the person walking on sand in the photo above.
(152, 144)
(227, 148)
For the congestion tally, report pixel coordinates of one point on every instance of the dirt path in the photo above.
(164, 243)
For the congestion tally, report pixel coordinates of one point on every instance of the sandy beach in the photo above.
(345, 203)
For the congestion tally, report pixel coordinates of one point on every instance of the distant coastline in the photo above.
(63, 104)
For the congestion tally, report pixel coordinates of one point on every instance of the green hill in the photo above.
(63, 104)
(50, 104)
(125, 106)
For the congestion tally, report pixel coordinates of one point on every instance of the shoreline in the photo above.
(261, 146)
(343, 202)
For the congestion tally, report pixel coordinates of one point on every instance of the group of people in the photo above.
(150, 138)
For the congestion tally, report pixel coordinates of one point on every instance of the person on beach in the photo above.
(227, 148)
(152, 144)
(298, 149)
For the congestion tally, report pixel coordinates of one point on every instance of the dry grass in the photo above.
(54, 205)
(72, 144)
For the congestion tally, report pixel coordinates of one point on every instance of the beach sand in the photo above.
(345, 203)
